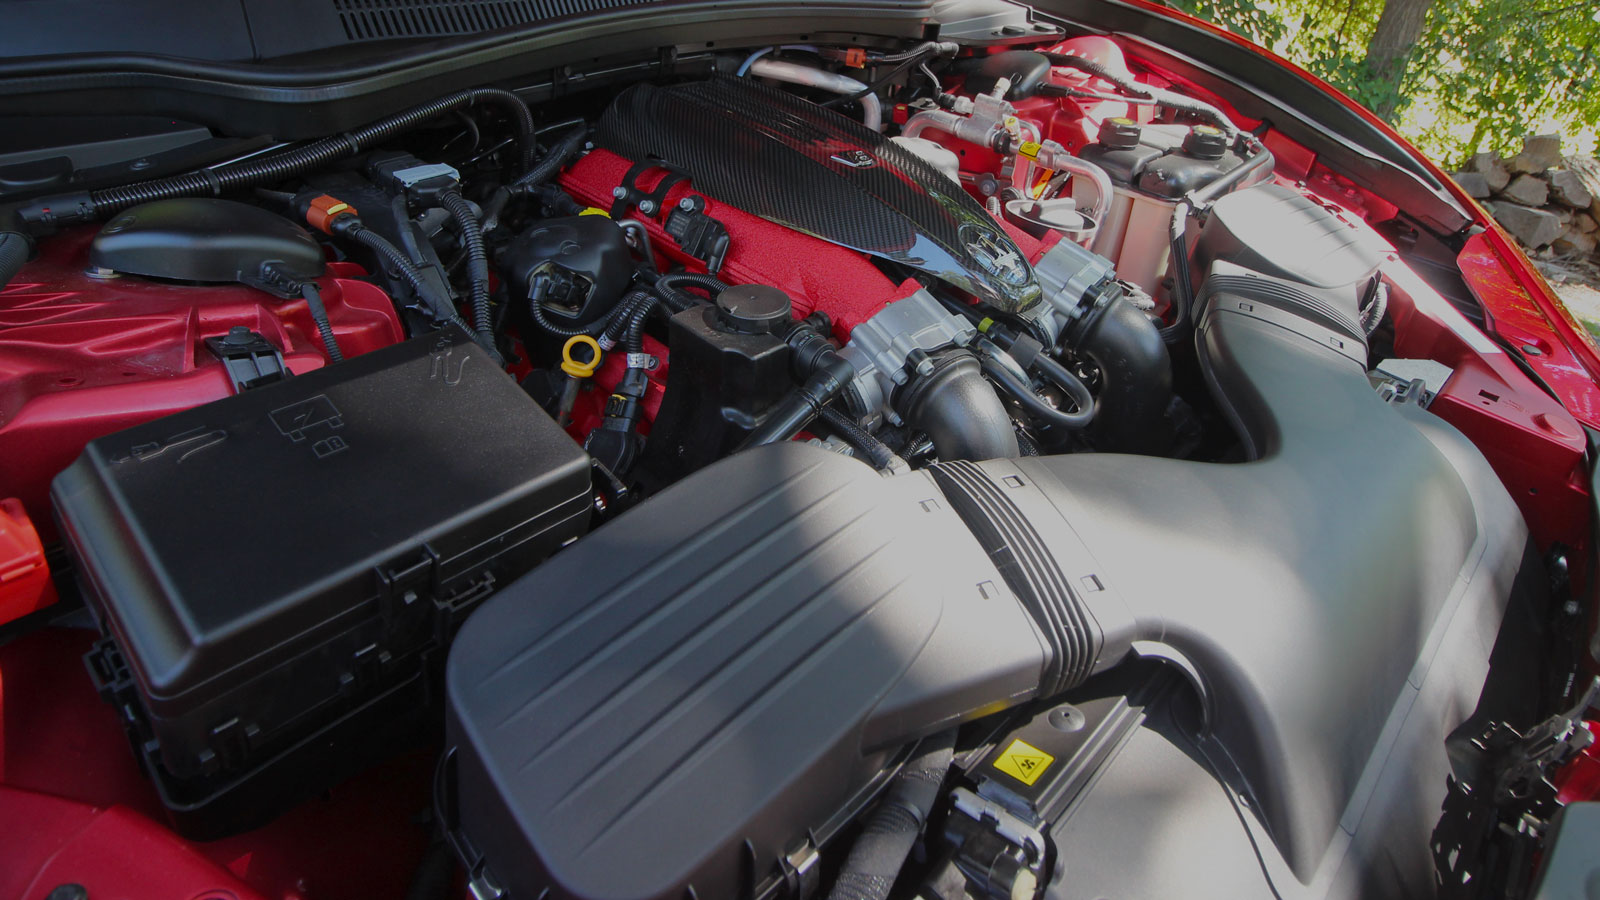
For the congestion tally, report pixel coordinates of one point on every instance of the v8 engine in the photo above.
(1020, 475)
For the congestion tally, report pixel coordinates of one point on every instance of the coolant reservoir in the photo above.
(1134, 235)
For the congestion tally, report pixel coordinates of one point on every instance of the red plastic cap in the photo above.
(24, 577)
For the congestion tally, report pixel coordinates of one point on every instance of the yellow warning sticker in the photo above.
(1023, 761)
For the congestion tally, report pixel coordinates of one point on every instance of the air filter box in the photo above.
(277, 573)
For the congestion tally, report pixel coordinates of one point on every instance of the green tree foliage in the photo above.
(1482, 74)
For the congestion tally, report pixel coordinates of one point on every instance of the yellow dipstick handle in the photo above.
(571, 365)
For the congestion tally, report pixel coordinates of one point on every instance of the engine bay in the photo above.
(886, 469)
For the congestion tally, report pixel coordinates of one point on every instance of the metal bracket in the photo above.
(628, 194)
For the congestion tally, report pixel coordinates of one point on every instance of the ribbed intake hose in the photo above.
(477, 259)
(891, 829)
(562, 153)
(285, 164)
(14, 251)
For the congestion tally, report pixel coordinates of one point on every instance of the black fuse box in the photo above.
(278, 573)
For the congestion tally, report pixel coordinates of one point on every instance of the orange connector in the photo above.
(324, 210)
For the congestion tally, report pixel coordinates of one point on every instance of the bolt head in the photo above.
(619, 192)
(648, 207)
(686, 204)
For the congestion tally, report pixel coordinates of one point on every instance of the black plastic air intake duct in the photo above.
(735, 667)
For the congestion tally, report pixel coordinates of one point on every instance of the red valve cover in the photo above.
(81, 356)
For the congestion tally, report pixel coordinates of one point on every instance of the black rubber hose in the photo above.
(830, 376)
(1032, 403)
(563, 152)
(319, 315)
(877, 85)
(671, 289)
(1170, 99)
(876, 452)
(958, 409)
(1070, 384)
(891, 829)
(1135, 378)
(477, 259)
(284, 164)
(1201, 198)
(15, 248)
(1182, 287)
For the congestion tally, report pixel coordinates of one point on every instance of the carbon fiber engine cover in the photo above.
(811, 169)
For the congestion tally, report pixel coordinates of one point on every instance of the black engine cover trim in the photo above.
(778, 156)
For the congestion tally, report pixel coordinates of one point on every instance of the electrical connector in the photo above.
(420, 183)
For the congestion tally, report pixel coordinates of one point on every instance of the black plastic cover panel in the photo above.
(665, 708)
(1305, 591)
(221, 541)
(1279, 231)
(800, 165)
(201, 239)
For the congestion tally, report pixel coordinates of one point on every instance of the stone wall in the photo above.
(1549, 202)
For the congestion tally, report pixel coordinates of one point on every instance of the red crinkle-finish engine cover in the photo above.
(815, 274)
(81, 357)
